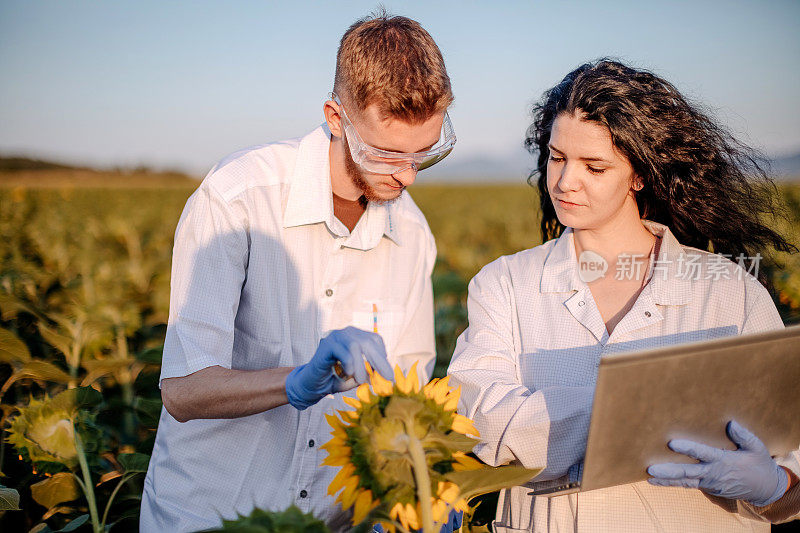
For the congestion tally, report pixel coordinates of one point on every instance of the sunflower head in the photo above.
(44, 430)
(46, 433)
(372, 446)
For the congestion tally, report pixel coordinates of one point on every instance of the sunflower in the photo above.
(45, 430)
(47, 433)
(396, 449)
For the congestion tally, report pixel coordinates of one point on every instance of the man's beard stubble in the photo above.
(356, 175)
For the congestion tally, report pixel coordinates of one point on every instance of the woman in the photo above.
(635, 184)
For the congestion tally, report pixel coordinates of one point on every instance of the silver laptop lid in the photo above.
(691, 391)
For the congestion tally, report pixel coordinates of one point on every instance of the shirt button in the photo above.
(647, 314)
(311, 443)
(329, 292)
(581, 303)
(303, 493)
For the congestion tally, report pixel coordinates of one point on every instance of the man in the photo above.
(294, 260)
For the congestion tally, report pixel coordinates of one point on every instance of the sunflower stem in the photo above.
(87, 483)
(420, 466)
(122, 480)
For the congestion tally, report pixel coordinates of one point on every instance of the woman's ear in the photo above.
(331, 111)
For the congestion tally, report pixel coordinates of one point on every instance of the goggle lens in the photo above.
(379, 161)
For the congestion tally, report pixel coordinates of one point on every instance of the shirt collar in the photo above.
(560, 272)
(310, 198)
(669, 286)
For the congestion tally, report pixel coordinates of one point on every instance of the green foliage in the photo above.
(9, 499)
(59, 488)
(292, 520)
(45, 429)
(134, 462)
(12, 349)
(84, 299)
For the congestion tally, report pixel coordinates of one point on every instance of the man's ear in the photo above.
(331, 111)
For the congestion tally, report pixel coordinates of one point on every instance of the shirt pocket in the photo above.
(251, 353)
(384, 317)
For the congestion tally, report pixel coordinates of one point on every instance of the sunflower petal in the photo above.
(352, 402)
(427, 390)
(413, 377)
(412, 517)
(462, 424)
(348, 497)
(465, 462)
(362, 506)
(381, 386)
(336, 461)
(338, 457)
(398, 512)
(448, 491)
(452, 399)
(340, 479)
(363, 393)
(333, 421)
(403, 383)
(438, 510)
(441, 391)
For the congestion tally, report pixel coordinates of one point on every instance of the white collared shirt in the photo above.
(261, 271)
(527, 365)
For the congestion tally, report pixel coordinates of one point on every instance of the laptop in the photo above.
(691, 391)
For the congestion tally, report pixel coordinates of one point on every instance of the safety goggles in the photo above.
(380, 161)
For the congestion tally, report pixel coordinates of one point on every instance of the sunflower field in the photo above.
(84, 298)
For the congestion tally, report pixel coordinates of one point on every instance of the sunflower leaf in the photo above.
(133, 462)
(74, 524)
(9, 499)
(292, 520)
(57, 489)
(43, 370)
(475, 482)
(12, 349)
(77, 398)
(454, 441)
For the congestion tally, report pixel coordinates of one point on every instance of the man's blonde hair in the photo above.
(391, 61)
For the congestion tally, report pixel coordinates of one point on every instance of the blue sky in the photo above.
(181, 84)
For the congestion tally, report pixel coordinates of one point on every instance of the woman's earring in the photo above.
(638, 186)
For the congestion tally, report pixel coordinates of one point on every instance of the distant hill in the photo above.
(27, 172)
(787, 166)
(17, 164)
(513, 167)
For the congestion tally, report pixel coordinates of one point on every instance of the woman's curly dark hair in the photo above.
(706, 186)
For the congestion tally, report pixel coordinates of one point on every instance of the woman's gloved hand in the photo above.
(748, 473)
(308, 383)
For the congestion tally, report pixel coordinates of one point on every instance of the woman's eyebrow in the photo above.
(554, 149)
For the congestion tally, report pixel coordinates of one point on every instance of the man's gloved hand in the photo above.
(308, 383)
(453, 523)
(748, 473)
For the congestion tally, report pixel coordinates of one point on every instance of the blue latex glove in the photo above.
(308, 383)
(748, 473)
(453, 523)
